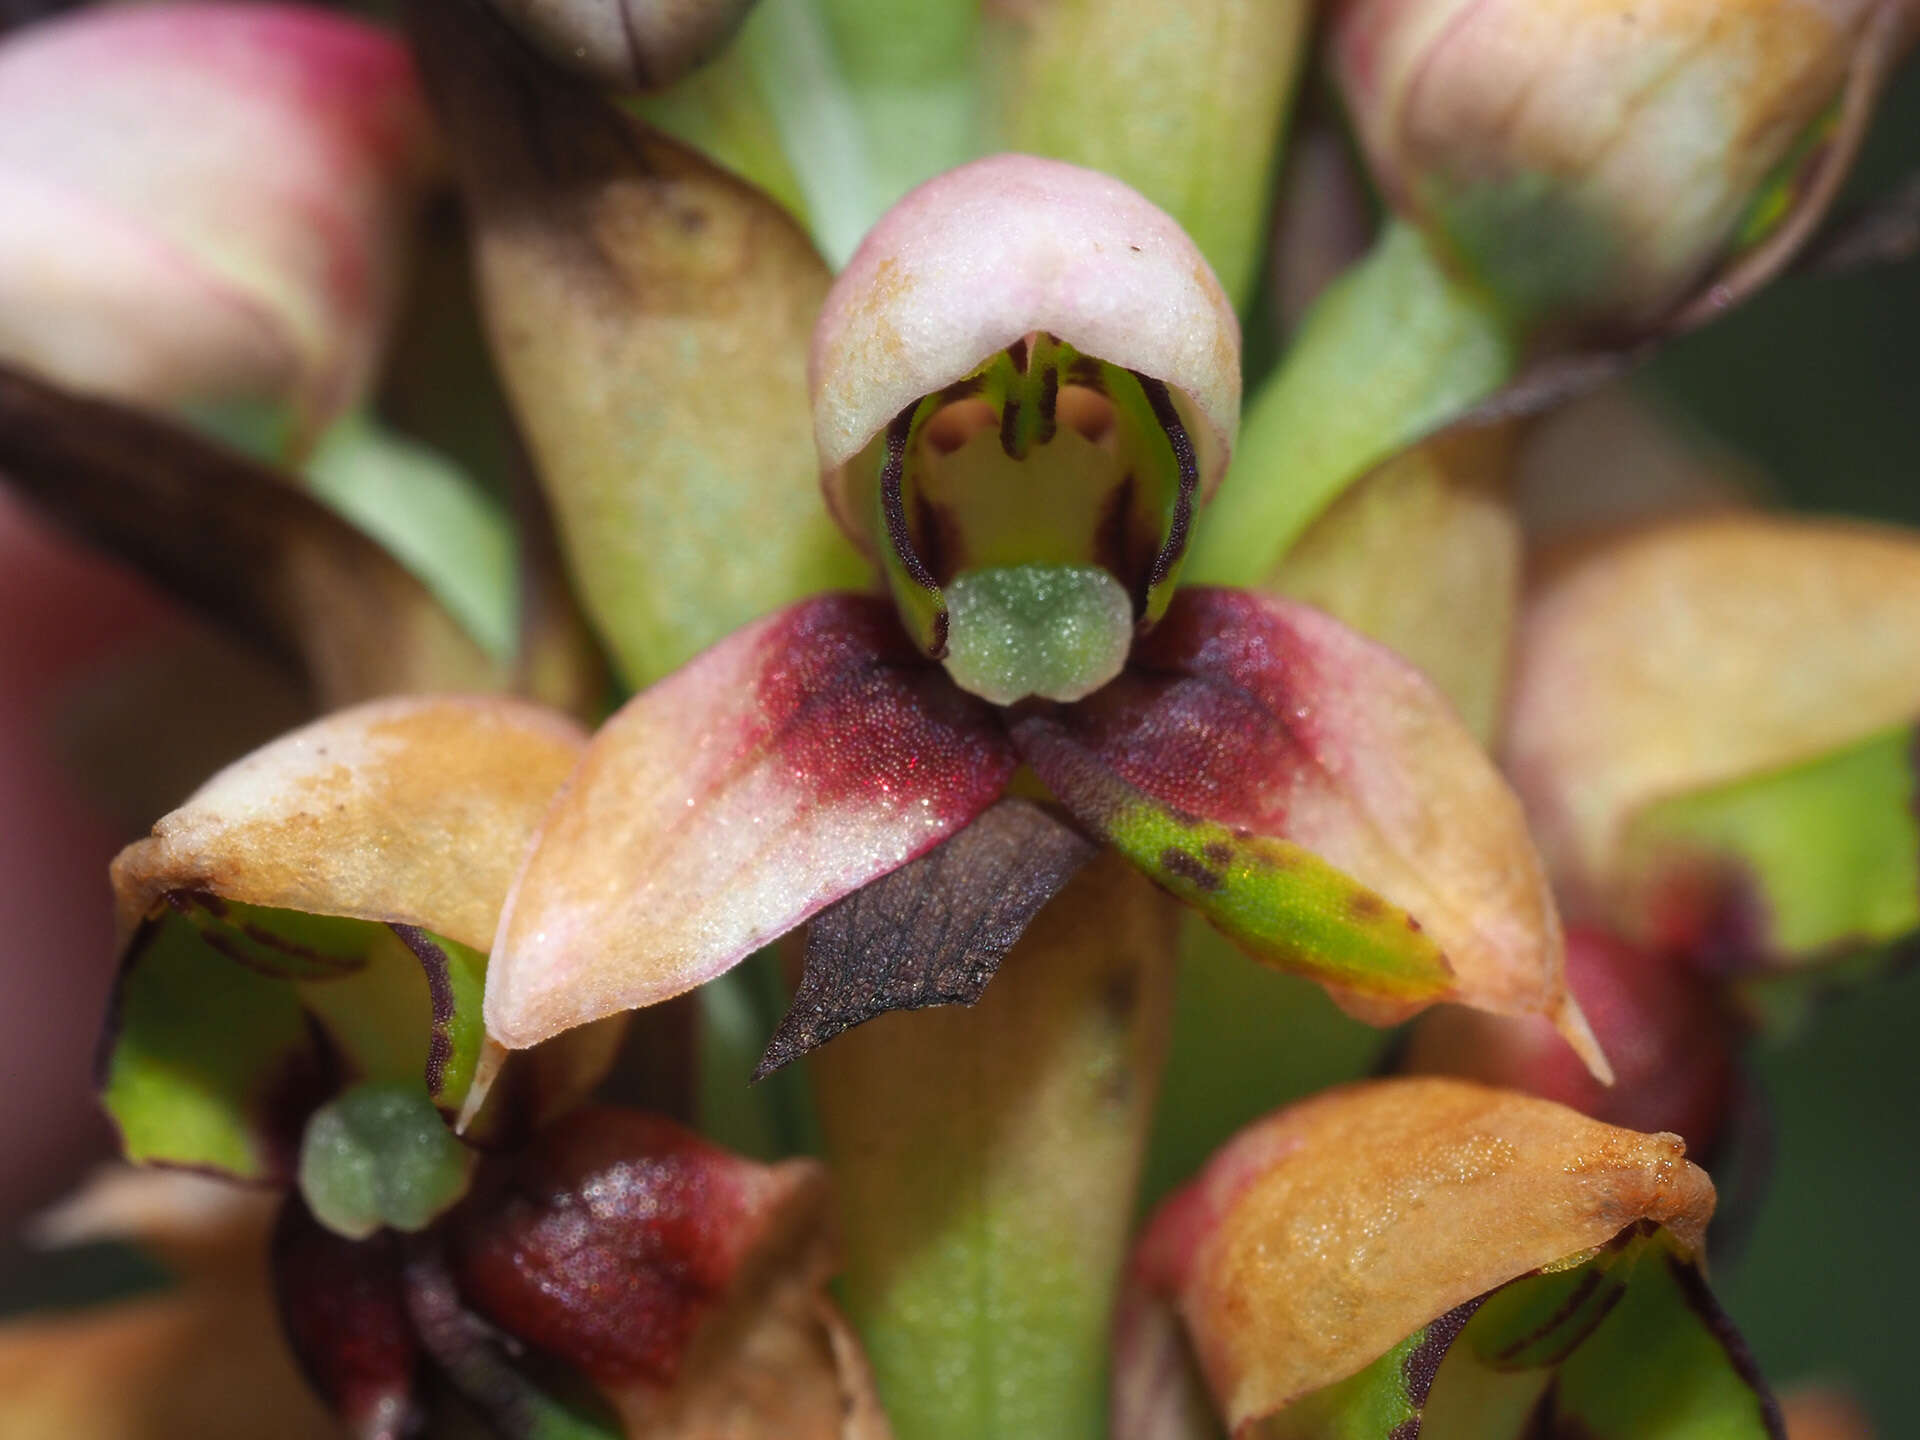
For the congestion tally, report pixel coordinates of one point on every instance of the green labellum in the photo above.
(380, 1155)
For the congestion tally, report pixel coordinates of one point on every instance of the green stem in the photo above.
(1246, 1041)
(1186, 102)
(870, 98)
(1395, 349)
(986, 1162)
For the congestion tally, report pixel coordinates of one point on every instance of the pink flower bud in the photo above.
(205, 204)
(1593, 163)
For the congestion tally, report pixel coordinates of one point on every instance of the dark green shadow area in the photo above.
(1818, 381)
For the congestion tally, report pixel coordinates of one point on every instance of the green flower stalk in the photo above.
(1561, 177)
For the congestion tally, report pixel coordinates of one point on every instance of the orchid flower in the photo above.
(1025, 386)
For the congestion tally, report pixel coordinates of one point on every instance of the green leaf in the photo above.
(1823, 857)
(379, 1154)
(1393, 350)
(1183, 99)
(870, 97)
(434, 519)
(231, 1022)
(650, 316)
(1627, 1344)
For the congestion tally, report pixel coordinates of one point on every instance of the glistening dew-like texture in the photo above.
(1324, 1235)
(1271, 719)
(979, 257)
(1056, 631)
(800, 758)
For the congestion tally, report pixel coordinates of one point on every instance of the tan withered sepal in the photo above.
(1325, 1235)
(407, 810)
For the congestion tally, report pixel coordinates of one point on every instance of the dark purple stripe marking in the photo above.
(893, 507)
(1422, 1364)
(439, 972)
(1183, 454)
(1581, 1293)
(1693, 1289)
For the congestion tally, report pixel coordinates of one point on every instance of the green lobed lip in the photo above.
(1056, 631)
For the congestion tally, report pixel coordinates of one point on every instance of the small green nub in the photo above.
(1056, 631)
(379, 1154)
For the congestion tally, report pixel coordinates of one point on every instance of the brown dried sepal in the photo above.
(1323, 1236)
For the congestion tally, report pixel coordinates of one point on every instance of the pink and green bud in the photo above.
(1595, 165)
(1025, 384)
(1708, 772)
(206, 206)
(1417, 1257)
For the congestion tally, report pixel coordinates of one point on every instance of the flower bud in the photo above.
(205, 204)
(1024, 384)
(630, 44)
(1593, 164)
(1410, 1255)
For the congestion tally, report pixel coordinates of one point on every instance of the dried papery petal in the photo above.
(233, 537)
(934, 931)
(1025, 368)
(685, 1282)
(1668, 144)
(649, 314)
(629, 44)
(1692, 742)
(308, 918)
(407, 810)
(794, 762)
(1322, 1238)
(1672, 1036)
(1320, 802)
(205, 204)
